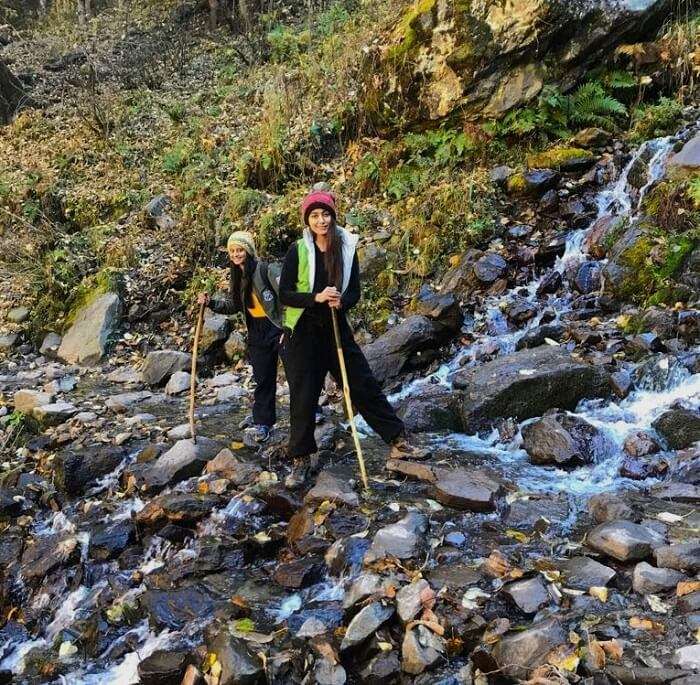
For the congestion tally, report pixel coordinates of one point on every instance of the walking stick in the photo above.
(193, 377)
(346, 395)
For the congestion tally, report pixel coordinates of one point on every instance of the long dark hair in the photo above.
(333, 256)
(241, 282)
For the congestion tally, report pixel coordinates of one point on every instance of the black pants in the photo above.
(309, 354)
(263, 353)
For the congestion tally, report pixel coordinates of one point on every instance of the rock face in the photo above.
(87, 339)
(525, 384)
(688, 157)
(161, 364)
(485, 58)
(518, 654)
(624, 540)
(400, 348)
(562, 439)
(215, 330)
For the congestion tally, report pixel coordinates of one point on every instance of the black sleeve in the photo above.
(227, 303)
(352, 293)
(289, 296)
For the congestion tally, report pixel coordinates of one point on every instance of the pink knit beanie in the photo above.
(317, 199)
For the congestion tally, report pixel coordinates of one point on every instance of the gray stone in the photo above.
(161, 667)
(178, 383)
(183, 460)
(646, 579)
(526, 384)
(624, 540)
(365, 585)
(235, 346)
(18, 314)
(327, 672)
(161, 364)
(125, 375)
(221, 380)
(621, 383)
(517, 654)
(365, 623)
(684, 556)
(421, 648)
(373, 260)
(50, 344)
(381, 669)
(27, 400)
(500, 174)
(86, 341)
(587, 278)
(179, 432)
(591, 137)
(490, 267)
(54, 414)
(609, 507)
(231, 393)
(226, 465)
(528, 595)
(688, 157)
(432, 408)
(120, 403)
(238, 665)
(677, 492)
(65, 384)
(409, 601)
(680, 427)
(8, 340)
(582, 573)
(688, 657)
(75, 469)
(46, 553)
(400, 540)
(156, 212)
(538, 336)
(640, 444)
(334, 488)
(468, 489)
(215, 329)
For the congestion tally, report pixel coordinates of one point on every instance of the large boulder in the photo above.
(624, 540)
(400, 348)
(430, 408)
(526, 384)
(184, 459)
(679, 426)
(87, 339)
(161, 364)
(687, 159)
(468, 489)
(74, 470)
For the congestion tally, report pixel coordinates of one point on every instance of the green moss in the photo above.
(106, 280)
(639, 281)
(516, 183)
(241, 201)
(407, 32)
(557, 157)
(653, 121)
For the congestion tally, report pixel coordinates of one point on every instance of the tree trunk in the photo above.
(12, 94)
(84, 11)
(213, 14)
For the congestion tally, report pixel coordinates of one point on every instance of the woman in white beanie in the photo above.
(253, 290)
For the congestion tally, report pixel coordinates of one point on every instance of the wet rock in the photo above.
(364, 586)
(299, 573)
(678, 492)
(624, 540)
(161, 364)
(226, 465)
(421, 648)
(109, 540)
(381, 669)
(460, 279)
(640, 468)
(500, 174)
(121, 402)
(564, 440)
(235, 346)
(176, 507)
(95, 323)
(609, 507)
(538, 336)
(683, 556)
(582, 573)
(54, 414)
(640, 444)
(333, 487)
(411, 598)
(455, 576)
(401, 540)
(525, 384)
(591, 137)
(533, 182)
(443, 307)
(10, 504)
(27, 400)
(689, 603)
(365, 623)
(688, 657)
(519, 231)
(238, 665)
(399, 349)
(688, 157)
(178, 383)
(468, 489)
(680, 427)
(163, 668)
(328, 672)
(215, 330)
(517, 654)
(74, 470)
(521, 310)
(411, 469)
(346, 553)
(432, 408)
(183, 460)
(490, 267)
(18, 314)
(646, 579)
(528, 595)
(174, 609)
(8, 340)
(621, 383)
(47, 553)
(587, 278)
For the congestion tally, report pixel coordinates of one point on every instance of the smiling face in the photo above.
(320, 221)
(237, 255)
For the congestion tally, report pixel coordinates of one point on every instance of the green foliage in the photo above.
(176, 158)
(203, 280)
(241, 201)
(332, 20)
(653, 121)
(694, 190)
(286, 43)
(619, 80)
(176, 111)
(16, 419)
(367, 174)
(591, 105)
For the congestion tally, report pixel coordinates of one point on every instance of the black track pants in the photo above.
(309, 354)
(263, 353)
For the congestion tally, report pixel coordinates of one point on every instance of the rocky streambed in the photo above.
(552, 536)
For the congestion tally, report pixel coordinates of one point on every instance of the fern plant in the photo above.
(591, 105)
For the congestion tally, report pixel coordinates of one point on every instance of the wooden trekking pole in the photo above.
(348, 401)
(193, 378)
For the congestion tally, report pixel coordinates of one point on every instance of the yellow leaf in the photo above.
(596, 655)
(517, 535)
(613, 649)
(564, 657)
(685, 587)
(599, 592)
(203, 488)
(646, 624)
(235, 445)
(697, 635)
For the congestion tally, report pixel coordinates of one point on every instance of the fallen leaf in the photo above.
(595, 655)
(244, 625)
(656, 604)
(612, 648)
(668, 517)
(646, 624)
(599, 592)
(235, 445)
(496, 565)
(385, 646)
(564, 657)
(471, 595)
(685, 587)
(518, 535)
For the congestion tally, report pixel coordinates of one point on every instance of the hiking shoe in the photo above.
(258, 433)
(247, 422)
(298, 475)
(401, 448)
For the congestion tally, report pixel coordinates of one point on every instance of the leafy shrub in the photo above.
(285, 43)
(653, 121)
(177, 157)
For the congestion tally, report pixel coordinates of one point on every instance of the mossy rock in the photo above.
(413, 28)
(105, 281)
(562, 158)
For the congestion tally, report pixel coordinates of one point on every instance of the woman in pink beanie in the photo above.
(320, 273)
